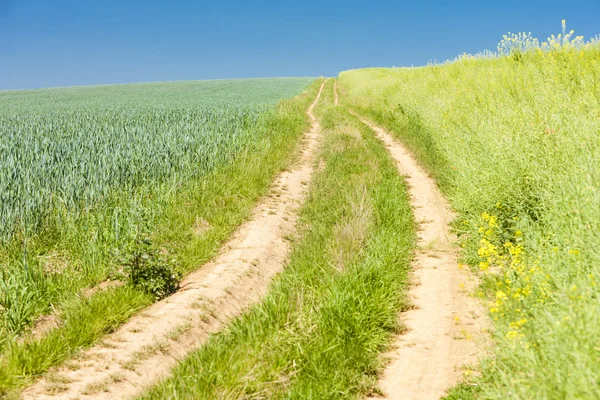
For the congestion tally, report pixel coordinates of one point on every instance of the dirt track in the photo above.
(146, 348)
(446, 327)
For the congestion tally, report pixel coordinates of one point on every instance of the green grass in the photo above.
(320, 330)
(513, 142)
(189, 220)
(84, 323)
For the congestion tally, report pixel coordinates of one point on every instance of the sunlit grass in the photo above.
(513, 141)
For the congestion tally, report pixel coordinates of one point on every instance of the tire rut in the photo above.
(144, 350)
(446, 327)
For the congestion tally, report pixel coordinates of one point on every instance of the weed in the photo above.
(180, 330)
(116, 377)
(95, 388)
(151, 271)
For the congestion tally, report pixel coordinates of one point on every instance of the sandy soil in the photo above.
(446, 327)
(145, 349)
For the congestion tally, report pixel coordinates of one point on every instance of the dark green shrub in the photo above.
(151, 271)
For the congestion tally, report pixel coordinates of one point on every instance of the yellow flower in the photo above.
(512, 334)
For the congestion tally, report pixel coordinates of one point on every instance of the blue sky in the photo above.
(47, 43)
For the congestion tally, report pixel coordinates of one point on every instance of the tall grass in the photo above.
(513, 140)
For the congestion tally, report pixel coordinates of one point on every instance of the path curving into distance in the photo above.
(446, 328)
(145, 349)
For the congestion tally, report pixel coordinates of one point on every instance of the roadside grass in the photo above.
(513, 142)
(189, 223)
(84, 323)
(332, 311)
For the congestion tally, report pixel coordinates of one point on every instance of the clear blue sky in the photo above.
(81, 42)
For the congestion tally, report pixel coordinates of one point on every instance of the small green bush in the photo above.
(151, 271)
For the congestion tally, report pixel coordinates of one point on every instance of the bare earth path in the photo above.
(146, 348)
(446, 327)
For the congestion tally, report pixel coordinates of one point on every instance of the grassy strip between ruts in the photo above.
(223, 198)
(321, 329)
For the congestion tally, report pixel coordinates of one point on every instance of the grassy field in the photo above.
(95, 178)
(513, 142)
(319, 332)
